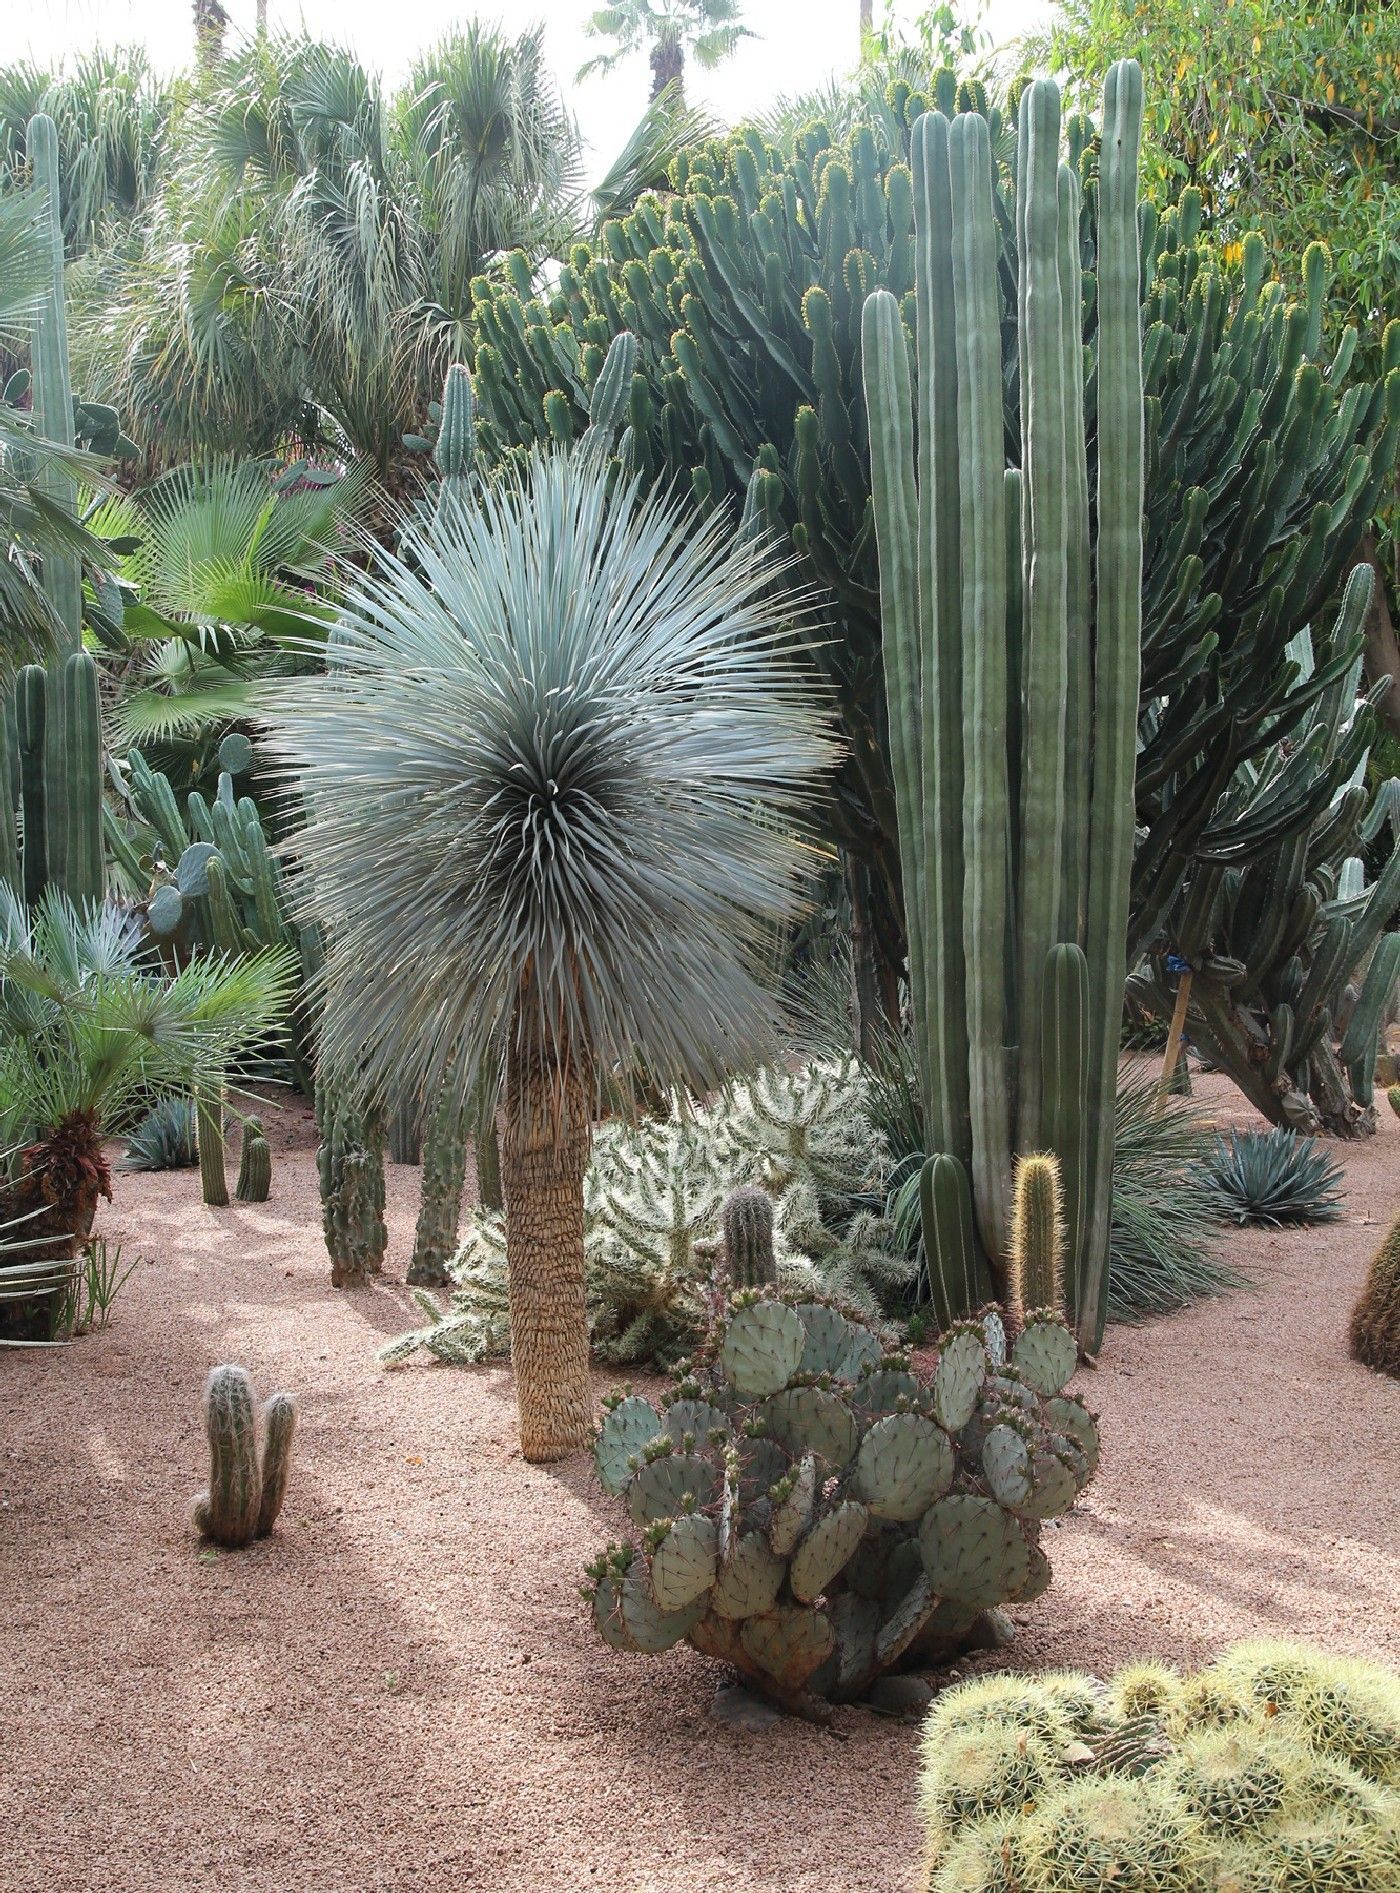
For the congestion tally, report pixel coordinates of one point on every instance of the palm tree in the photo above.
(556, 768)
(90, 1023)
(307, 268)
(670, 30)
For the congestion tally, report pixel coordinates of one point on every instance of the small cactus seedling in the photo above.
(245, 1493)
(254, 1164)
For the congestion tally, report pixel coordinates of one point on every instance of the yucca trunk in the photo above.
(544, 1154)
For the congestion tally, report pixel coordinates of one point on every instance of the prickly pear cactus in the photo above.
(810, 1510)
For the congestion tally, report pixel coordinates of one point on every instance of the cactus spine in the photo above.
(1015, 800)
(748, 1239)
(243, 1498)
(209, 1137)
(254, 1164)
(440, 1208)
(1037, 1275)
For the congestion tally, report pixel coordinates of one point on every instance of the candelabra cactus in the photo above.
(254, 1164)
(245, 1491)
(811, 1511)
(748, 1239)
(209, 1140)
(1013, 705)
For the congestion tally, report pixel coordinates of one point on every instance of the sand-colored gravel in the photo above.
(400, 1690)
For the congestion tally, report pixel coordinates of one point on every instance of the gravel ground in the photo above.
(399, 1689)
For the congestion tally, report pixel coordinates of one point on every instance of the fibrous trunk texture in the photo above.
(544, 1153)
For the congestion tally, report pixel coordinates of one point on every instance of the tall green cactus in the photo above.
(440, 1206)
(1043, 958)
(350, 1169)
(31, 722)
(53, 387)
(73, 763)
(209, 1139)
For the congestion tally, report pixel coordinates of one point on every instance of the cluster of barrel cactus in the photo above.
(246, 1487)
(1277, 1768)
(810, 1510)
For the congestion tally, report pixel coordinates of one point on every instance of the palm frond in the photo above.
(667, 127)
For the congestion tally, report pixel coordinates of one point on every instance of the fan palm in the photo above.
(670, 30)
(545, 768)
(89, 1023)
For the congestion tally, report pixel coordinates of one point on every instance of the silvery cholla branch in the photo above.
(653, 1199)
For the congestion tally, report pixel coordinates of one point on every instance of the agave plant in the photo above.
(89, 1024)
(544, 767)
(164, 1139)
(1275, 1177)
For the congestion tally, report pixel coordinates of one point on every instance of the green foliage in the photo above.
(100, 1276)
(246, 1486)
(655, 1222)
(1165, 1226)
(1266, 456)
(1275, 1177)
(1276, 1768)
(1375, 1320)
(91, 1023)
(164, 1139)
(793, 1501)
(304, 267)
(1285, 122)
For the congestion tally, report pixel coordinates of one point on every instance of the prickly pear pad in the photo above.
(807, 1509)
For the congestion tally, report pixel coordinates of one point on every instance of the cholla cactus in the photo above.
(809, 1510)
(1275, 1768)
(654, 1220)
(245, 1493)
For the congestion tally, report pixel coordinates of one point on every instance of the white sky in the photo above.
(800, 43)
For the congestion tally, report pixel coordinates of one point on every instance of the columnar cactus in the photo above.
(350, 1169)
(254, 1164)
(1012, 715)
(440, 1207)
(31, 719)
(1037, 1275)
(209, 1139)
(244, 1496)
(811, 1511)
(748, 1239)
(73, 759)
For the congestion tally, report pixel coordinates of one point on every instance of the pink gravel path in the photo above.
(399, 1690)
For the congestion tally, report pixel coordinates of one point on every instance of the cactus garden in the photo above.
(699, 942)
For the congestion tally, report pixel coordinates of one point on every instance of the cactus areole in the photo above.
(1011, 625)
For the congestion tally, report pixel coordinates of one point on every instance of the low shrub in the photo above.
(1276, 1770)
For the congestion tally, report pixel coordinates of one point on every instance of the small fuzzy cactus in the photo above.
(1375, 1320)
(1273, 1770)
(254, 1164)
(209, 1138)
(1036, 1275)
(748, 1239)
(244, 1496)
